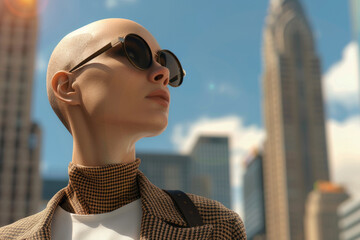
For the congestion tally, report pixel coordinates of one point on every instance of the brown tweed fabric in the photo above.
(94, 190)
(160, 219)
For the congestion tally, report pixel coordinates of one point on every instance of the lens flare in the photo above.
(26, 8)
(27, 3)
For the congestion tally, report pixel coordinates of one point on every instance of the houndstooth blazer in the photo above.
(160, 219)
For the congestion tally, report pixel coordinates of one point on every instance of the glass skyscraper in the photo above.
(355, 19)
(254, 205)
(210, 169)
(166, 171)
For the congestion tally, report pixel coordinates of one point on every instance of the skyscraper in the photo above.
(355, 19)
(167, 171)
(350, 219)
(254, 205)
(210, 168)
(20, 185)
(321, 217)
(295, 148)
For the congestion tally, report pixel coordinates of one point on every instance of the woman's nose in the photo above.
(160, 74)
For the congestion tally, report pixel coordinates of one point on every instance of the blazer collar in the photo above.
(156, 202)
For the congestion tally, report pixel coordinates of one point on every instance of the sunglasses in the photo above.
(139, 54)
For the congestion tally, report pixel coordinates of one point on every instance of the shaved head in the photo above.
(81, 43)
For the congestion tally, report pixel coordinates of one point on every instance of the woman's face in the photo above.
(114, 92)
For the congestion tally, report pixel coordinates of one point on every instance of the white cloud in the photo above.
(242, 139)
(341, 81)
(110, 4)
(341, 88)
(344, 152)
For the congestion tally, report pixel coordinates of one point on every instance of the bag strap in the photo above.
(186, 207)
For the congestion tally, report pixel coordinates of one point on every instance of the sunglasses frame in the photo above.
(121, 40)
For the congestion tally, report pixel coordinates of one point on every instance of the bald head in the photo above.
(81, 43)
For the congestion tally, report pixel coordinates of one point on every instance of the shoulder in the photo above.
(23, 228)
(225, 221)
(212, 210)
(36, 226)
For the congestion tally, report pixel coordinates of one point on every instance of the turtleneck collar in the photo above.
(94, 190)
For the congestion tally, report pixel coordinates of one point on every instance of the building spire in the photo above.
(276, 3)
(279, 3)
(279, 7)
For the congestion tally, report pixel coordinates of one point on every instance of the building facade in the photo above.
(355, 20)
(295, 149)
(350, 219)
(321, 217)
(254, 205)
(167, 171)
(210, 173)
(20, 138)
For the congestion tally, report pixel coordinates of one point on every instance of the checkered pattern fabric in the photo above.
(160, 219)
(94, 190)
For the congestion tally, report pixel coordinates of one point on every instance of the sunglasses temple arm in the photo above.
(95, 54)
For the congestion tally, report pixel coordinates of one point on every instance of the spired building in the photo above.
(295, 148)
(20, 188)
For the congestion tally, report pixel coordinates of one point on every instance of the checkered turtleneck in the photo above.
(94, 190)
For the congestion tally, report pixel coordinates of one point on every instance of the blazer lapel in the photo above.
(42, 227)
(161, 219)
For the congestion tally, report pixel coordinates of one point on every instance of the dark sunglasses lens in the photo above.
(169, 60)
(138, 51)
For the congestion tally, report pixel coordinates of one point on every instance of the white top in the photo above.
(123, 224)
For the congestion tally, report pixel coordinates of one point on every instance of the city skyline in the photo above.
(216, 77)
(20, 137)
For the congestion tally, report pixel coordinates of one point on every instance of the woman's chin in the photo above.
(156, 130)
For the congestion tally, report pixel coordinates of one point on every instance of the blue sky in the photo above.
(220, 47)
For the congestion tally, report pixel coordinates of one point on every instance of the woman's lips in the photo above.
(159, 100)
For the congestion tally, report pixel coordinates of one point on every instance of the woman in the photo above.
(108, 84)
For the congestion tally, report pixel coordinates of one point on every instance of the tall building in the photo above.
(355, 19)
(321, 218)
(210, 171)
(20, 138)
(295, 148)
(350, 219)
(254, 205)
(167, 171)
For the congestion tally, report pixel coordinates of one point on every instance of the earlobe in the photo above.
(62, 88)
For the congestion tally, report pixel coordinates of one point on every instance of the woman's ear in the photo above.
(61, 84)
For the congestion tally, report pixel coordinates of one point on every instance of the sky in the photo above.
(220, 46)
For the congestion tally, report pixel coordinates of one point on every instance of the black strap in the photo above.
(186, 207)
